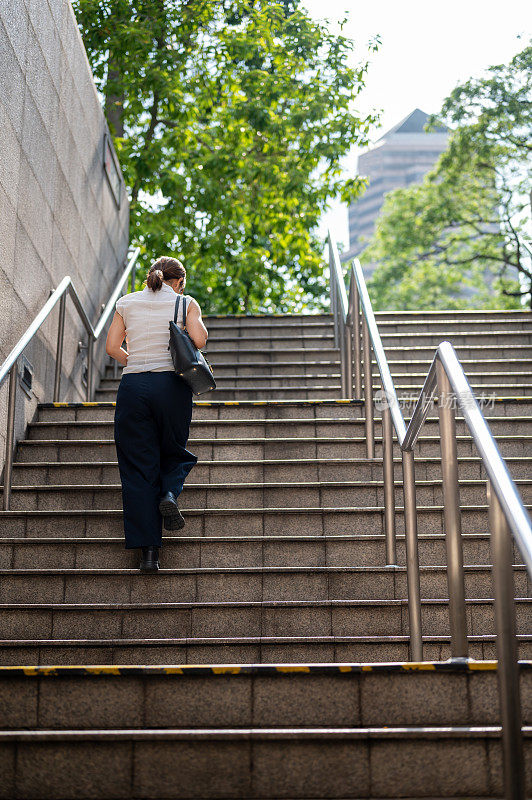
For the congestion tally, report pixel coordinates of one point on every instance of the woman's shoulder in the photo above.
(130, 297)
(126, 301)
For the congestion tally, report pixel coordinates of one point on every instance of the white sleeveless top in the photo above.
(146, 315)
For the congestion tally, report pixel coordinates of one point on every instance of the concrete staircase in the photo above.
(280, 572)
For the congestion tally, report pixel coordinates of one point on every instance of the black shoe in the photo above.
(173, 520)
(149, 561)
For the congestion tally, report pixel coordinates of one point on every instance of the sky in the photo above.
(426, 49)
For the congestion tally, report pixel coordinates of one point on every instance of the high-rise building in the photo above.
(402, 156)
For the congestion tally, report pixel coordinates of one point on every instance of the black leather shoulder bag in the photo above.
(189, 362)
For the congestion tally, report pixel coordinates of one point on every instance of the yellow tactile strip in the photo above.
(250, 669)
(215, 403)
(295, 402)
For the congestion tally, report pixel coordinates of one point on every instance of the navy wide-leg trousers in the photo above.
(152, 420)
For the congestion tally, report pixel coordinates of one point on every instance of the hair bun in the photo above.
(171, 268)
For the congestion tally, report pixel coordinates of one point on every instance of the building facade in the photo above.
(401, 157)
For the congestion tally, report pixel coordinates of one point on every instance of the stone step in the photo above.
(457, 338)
(322, 381)
(273, 470)
(480, 352)
(280, 326)
(259, 447)
(333, 426)
(323, 494)
(229, 551)
(477, 379)
(273, 320)
(493, 366)
(449, 327)
(293, 393)
(310, 369)
(258, 762)
(244, 354)
(256, 695)
(265, 328)
(394, 351)
(445, 329)
(209, 448)
(485, 392)
(245, 409)
(503, 315)
(239, 522)
(214, 620)
(313, 370)
(463, 314)
(495, 380)
(204, 584)
(214, 428)
(274, 341)
(415, 321)
(272, 409)
(330, 371)
(242, 650)
(228, 341)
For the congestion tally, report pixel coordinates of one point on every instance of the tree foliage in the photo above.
(229, 119)
(456, 239)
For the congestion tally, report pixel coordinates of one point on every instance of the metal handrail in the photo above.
(342, 330)
(391, 415)
(9, 366)
(507, 514)
(494, 464)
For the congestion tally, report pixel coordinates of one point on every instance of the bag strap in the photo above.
(176, 309)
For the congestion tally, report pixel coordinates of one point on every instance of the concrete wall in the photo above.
(58, 215)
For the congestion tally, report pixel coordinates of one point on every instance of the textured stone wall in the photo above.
(58, 215)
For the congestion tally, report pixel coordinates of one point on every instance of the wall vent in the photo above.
(26, 375)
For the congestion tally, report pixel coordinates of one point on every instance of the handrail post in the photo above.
(508, 667)
(344, 365)
(451, 513)
(349, 358)
(10, 434)
(348, 325)
(356, 336)
(368, 392)
(59, 350)
(133, 277)
(412, 556)
(334, 306)
(389, 486)
(334, 298)
(90, 366)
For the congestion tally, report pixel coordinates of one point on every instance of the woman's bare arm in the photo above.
(115, 337)
(195, 327)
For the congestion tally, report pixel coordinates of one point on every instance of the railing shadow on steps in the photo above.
(9, 367)
(356, 333)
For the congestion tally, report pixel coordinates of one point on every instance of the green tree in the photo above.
(229, 119)
(462, 228)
